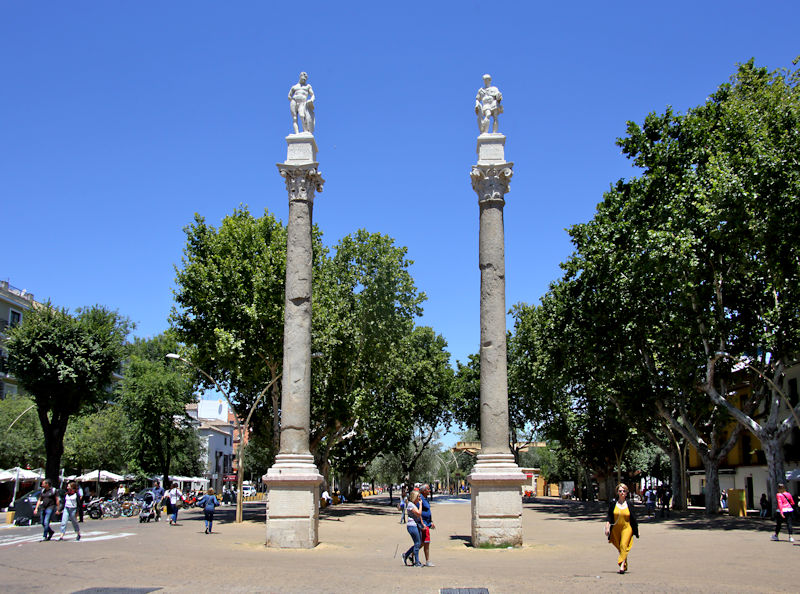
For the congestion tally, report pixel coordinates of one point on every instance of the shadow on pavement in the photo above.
(116, 590)
(594, 511)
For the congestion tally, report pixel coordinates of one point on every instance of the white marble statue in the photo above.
(487, 105)
(301, 103)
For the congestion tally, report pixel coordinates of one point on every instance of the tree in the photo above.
(22, 442)
(721, 191)
(98, 440)
(154, 394)
(365, 302)
(229, 302)
(65, 363)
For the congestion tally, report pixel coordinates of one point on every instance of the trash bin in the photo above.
(737, 502)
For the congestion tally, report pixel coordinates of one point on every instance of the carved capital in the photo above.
(301, 182)
(491, 182)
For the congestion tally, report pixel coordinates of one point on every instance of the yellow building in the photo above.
(745, 466)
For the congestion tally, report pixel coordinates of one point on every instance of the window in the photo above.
(14, 318)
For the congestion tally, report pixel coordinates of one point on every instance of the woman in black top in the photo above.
(621, 525)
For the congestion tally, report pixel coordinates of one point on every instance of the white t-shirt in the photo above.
(174, 496)
(71, 500)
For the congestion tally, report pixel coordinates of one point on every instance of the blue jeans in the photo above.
(414, 532)
(46, 515)
(174, 510)
(69, 514)
(208, 515)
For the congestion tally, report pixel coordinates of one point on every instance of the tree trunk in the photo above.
(349, 489)
(166, 484)
(53, 431)
(712, 484)
(773, 452)
(678, 487)
(324, 467)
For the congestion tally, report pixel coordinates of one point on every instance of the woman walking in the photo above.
(413, 524)
(175, 497)
(48, 502)
(209, 502)
(785, 510)
(70, 510)
(621, 525)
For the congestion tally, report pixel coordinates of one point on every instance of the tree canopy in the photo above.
(65, 362)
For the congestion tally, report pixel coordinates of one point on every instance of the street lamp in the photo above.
(240, 454)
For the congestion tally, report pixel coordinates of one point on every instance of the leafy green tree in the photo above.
(154, 394)
(22, 442)
(65, 363)
(98, 440)
(371, 357)
(229, 302)
(710, 228)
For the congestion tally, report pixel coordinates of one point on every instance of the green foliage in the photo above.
(98, 440)
(154, 393)
(378, 376)
(229, 302)
(65, 363)
(23, 443)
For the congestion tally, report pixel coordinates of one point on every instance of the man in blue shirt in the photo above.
(158, 495)
(427, 523)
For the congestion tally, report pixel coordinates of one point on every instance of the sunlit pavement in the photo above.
(361, 546)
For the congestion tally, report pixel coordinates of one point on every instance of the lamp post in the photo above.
(240, 453)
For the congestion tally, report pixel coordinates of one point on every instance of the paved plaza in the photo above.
(361, 544)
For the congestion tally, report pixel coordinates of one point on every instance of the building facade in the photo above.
(14, 303)
(745, 466)
(216, 439)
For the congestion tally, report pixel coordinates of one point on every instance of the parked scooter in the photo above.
(94, 508)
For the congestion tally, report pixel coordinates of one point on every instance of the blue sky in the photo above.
(121, 120)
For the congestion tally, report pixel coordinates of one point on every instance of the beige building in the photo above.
(14, 303)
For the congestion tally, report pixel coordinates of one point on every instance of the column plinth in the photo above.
(293, 481)
(496, 480)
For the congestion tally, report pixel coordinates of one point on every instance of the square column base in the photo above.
(292, 505)
(496, 506)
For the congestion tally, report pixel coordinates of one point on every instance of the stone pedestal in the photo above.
(496, 487)
(293, 502)
(496, 480)
(293, 481)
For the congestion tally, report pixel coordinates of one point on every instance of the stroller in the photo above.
(148, 511)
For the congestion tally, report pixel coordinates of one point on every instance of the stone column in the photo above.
(293, 481)
(496, 480)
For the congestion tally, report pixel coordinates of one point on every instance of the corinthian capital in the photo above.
(301, 181)
(491, 182)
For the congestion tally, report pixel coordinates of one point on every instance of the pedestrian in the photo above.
(69, 511)
(414, 527)
(650, 502)
(175, 497)
(48, 502)
(724, 499)
(785, 509)
(402, 507)
(764, 503)
(427, 523)
(81, 502)
(158, 496)
(209, 503)
(621, 525)
(666, 499)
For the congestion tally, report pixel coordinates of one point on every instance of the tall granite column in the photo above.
(293, 481)
(496, 480)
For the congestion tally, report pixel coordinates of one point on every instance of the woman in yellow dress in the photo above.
(621, 525)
